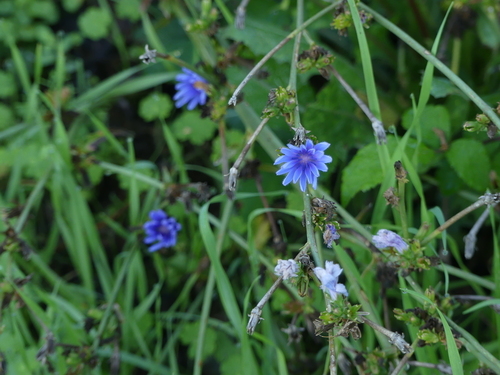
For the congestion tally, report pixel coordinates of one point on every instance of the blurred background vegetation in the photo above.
(90, 142)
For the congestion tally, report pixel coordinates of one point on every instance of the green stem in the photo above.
(402, 207)
(487, 110)
(114, 294)
(209, 290)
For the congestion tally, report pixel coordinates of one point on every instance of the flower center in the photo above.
(305, 158)
(200, 85)
(163, 229)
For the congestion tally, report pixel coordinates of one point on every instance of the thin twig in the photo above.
(395, 338)
(234, 171)
(441, 367)
(487, 199)
(257, 310)
(241, 12)
(471, 237)
(377, 126)
(401, 363)
(233, 99)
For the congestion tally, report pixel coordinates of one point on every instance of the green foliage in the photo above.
(94, 23)
(190, 127)
(155, 106)
(80, 171)
(469, 159)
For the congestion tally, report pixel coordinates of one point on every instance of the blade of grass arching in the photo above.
(109, 136)
(466, 275)
(455, 360)
(217, 275)
(474, 347)
(38, 65)
(111, 299)
(371, 88)
(59, 75)
(84, 221)
(176, 151)
(19, 64)
(35, 194)
(135, 361)
(93, 95)
(133, 191)
(487, 110)
(138, 84)
(496, 269)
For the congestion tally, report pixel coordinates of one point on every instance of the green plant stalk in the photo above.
(31, 201)
(110, 302)
(371, 88)
(208, 295)
(226, 13)
(487, 110)
(402, 208)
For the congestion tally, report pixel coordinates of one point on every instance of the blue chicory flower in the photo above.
(386, 238)
(330, 234)
(191, 89)
(161, 229)
(286, 268)
(329, 277)
(303, 163)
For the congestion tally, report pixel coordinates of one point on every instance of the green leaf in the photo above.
(72, 6)
(442, 87)
(363, 172)
(234, 143)
(6, 116)
(488, 30)
(94, 23)
(432, 118)
(129, 9)
(267, 31)
(469, 159)
(7, 85)
(155, 106)
(191, 127)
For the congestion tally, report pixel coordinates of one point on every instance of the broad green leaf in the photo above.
(129, 9)
(433, 118)
(488, 30)
(72, 6)
(94, 23)
(155, 106)
(265, 30)
(469, 159)
(191, 127)
(442, 87)
(46, 10)
(363, 172)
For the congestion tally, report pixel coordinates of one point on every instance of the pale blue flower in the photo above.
(386, 238)
(191, 89)
(303, 163)
(286, 268)
(329, 277)
(161, 229)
